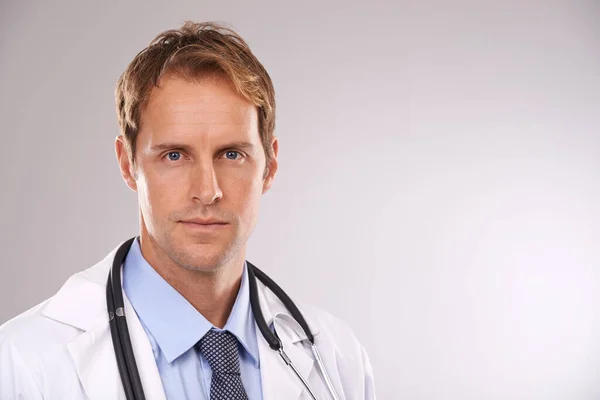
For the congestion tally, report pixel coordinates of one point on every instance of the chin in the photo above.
(202, 257)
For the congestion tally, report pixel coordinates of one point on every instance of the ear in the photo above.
(125, 163)
(272, 167)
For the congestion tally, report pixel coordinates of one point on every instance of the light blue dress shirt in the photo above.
(174, 326)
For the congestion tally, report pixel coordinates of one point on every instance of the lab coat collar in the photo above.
(81, 303)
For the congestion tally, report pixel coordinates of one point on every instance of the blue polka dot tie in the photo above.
(221, 352)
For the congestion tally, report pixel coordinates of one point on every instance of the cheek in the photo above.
(242, 191)
(156, 193)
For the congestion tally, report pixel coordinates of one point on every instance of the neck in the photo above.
(212, 293)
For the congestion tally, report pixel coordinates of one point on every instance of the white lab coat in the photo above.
(62, 349)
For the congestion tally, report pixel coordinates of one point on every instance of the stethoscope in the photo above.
(130, 376)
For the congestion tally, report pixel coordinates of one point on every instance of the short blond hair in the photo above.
(194, 51)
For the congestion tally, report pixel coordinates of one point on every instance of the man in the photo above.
(196, 111)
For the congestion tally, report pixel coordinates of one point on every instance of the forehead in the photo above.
(209, 106)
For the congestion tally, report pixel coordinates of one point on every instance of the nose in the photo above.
(204, 184)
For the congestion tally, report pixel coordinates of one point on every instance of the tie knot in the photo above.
(221, 352)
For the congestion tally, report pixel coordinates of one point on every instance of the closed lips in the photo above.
(205, 222)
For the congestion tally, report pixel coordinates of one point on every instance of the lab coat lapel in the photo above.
(92, 351)
(94, 359)
(278, 379)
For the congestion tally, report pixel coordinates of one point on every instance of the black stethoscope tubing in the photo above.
(130, 376)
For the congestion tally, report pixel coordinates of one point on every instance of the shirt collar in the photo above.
(173, 322)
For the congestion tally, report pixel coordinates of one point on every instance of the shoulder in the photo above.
(328, 324)
(333, 330)
(34, 346)
(30, 344)
(40, 334)
(31, 337)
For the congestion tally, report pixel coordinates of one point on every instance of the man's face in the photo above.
(199, 171)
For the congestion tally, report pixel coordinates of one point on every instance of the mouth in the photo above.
(204, 224)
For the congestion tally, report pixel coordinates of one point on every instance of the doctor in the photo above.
(196, 111)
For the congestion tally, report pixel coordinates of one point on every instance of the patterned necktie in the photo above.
(221, 351)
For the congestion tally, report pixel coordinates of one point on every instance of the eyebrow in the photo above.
(245, 146)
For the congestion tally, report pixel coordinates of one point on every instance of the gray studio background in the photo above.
(439, 175)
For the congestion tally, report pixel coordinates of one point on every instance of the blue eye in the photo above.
(174, 155)
(232, 155)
